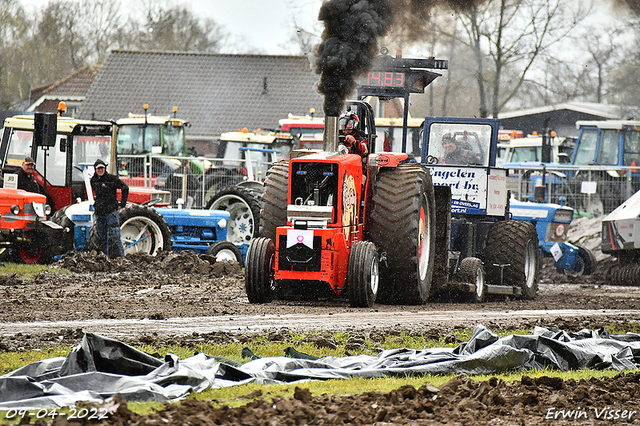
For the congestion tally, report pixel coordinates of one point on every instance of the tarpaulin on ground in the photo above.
(99, 367)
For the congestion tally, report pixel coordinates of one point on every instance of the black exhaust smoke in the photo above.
(350, 39)
(349, 44)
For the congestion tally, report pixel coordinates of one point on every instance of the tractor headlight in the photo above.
(15, 209)
(47, 209)
(222, 223)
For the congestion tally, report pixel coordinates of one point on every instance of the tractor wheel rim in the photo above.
(425, 247)
(241, 220)
(135, 229)
(530, 264)
(30, 256)
(374, 279)
(225, 255)
(479, 282)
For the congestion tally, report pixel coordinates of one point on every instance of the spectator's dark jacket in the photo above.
(28, 183)
(105, 189)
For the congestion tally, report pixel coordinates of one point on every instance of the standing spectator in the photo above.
(106, 219)
(26, 180)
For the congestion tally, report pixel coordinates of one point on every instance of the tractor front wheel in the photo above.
(512, 256)
(472, 271)
(259, 272)
(224, 251)
(29, 255)
(362, 274)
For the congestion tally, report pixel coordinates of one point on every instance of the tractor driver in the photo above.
(454, 154)
(26, 179)
(351, 136)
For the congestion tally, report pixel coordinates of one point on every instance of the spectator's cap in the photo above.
(448, 137)
(29, 160)
(99, 163)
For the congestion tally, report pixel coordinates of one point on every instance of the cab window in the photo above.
(173, 140)
(609, 142)
(631, 155)
(586, 152)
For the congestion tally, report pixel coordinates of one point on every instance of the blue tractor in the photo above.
(146, 229)
(552, 222)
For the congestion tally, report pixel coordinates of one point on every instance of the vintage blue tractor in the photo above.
(146, 229)
(552, 222)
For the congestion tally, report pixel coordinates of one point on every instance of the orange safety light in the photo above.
(62, 107)
(245, 130)
(553, 134)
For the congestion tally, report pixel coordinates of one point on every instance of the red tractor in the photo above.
(403, 227)
(337, 214)
(24, 226)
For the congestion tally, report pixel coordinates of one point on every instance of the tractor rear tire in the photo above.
(362, 274)
(243, 205)
(141, 227)
(135, 220)
(513, 243)
(402, 227)
(259, 272)
(224, 251)
(472, 271)
(275, 200)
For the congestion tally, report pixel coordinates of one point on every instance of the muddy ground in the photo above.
(187, 285)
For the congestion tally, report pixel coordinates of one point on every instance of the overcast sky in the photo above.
(262, 26)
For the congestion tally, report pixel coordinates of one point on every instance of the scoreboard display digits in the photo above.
(385, 79)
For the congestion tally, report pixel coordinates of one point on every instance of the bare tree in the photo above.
(178, 29)
(102, 23)
(512, 35)
(14, 28)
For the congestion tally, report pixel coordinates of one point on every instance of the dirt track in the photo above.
(184, 299)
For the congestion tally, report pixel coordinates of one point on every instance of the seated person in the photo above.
(350, 135)
(26, 180)
(454, 154)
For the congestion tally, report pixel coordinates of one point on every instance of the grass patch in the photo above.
(262, 346)
(25, 271)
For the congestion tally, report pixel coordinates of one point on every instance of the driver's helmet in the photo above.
(348, 121)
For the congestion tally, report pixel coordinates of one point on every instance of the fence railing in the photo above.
(596, 190)
(193, 179)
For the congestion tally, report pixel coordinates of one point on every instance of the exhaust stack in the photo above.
(330, 140)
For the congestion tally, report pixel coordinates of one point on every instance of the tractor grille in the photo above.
(299, 257)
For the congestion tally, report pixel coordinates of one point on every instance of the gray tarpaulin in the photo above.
(99, 367)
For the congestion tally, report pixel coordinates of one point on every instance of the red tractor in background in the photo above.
(60, 146)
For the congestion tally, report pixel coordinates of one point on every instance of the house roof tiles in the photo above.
(215, 92)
